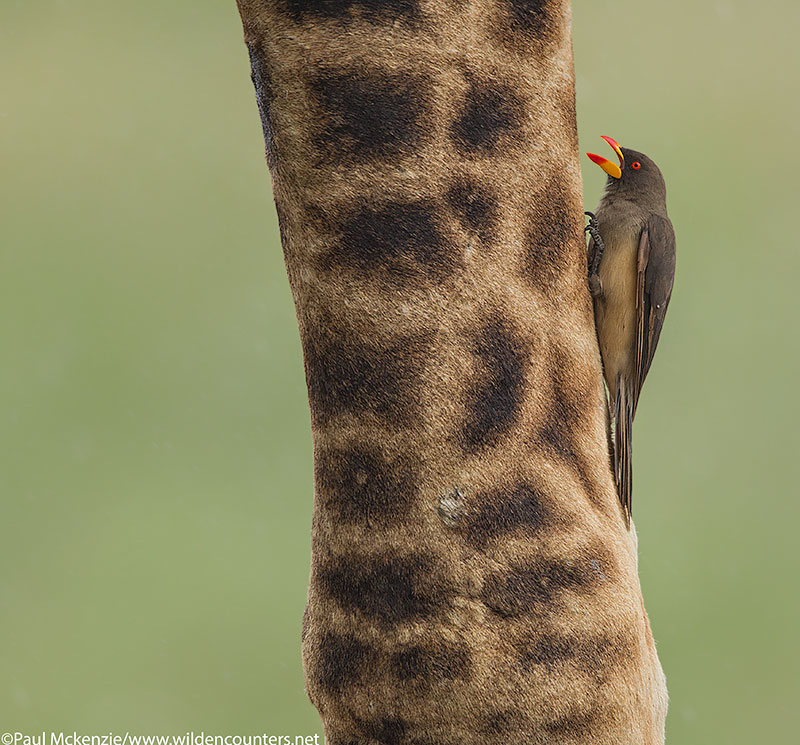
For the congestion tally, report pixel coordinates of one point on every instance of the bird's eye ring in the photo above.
(636, 165)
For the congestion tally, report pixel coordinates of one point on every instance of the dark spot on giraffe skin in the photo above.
(345, 375)
(408, 664)
(575, 725)
(566, 99)
(565, 417)
(490, 112)
(371, 115)
(403, 239)
(497, 394)
(428, 663)
(264, 96)
(475, 207)
(521, 509)
(503, 723)
(597, 656)
(545, 255)
(375, 11)
(529, 16)
(341, 661)
(386, 731)
(546, 650)
(521, 24)
(388, 589)
(601, 654)
(360, 483)
(536, 587)
(551, 242)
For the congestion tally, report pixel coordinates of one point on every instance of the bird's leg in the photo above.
(593, 229)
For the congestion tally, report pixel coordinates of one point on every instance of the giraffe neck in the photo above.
(472, 578)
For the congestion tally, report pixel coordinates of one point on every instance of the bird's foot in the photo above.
(595, 285)
(593, 229)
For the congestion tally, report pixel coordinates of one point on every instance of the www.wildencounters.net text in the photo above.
(187, 738)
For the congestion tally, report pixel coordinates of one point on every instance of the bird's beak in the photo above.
(612, 169)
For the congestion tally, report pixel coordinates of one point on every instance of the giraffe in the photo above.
(473, 579)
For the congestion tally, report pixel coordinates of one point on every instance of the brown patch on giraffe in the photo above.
(529, 16)
(370, 114)
(547, 650)
(375, 11)
(386, 731)
(548, 255)
(428, 664)
(538, 586)
(575, 725)
(341, 661)
(545, 258)
(503, 722)
(597, 656)
(563, 416)
(518, 24)
(491, 116)
(359, 483)
(522, 510)
(475, 207)
(567, 105)
(346, 375)
(388, 589)
(566, 416)
(495, 399)
(401, 240)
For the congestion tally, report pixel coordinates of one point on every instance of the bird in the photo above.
(631, 256)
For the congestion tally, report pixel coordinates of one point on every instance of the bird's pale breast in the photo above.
(616, 322)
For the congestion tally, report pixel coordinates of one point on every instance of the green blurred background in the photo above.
(156, 454)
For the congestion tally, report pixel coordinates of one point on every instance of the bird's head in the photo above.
(636, 177)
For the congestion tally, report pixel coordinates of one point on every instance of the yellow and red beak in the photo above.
(612, 169)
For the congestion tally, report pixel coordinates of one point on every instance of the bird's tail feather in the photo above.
(623, 445)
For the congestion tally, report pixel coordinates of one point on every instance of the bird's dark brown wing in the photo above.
(655, 274)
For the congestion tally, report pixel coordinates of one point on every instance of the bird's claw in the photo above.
(593, 229)
(595, 285)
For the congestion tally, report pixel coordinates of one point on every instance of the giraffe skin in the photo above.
(472, 577)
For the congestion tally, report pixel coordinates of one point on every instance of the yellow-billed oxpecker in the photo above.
(631, 270)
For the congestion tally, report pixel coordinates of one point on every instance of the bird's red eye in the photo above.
(636, 165)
